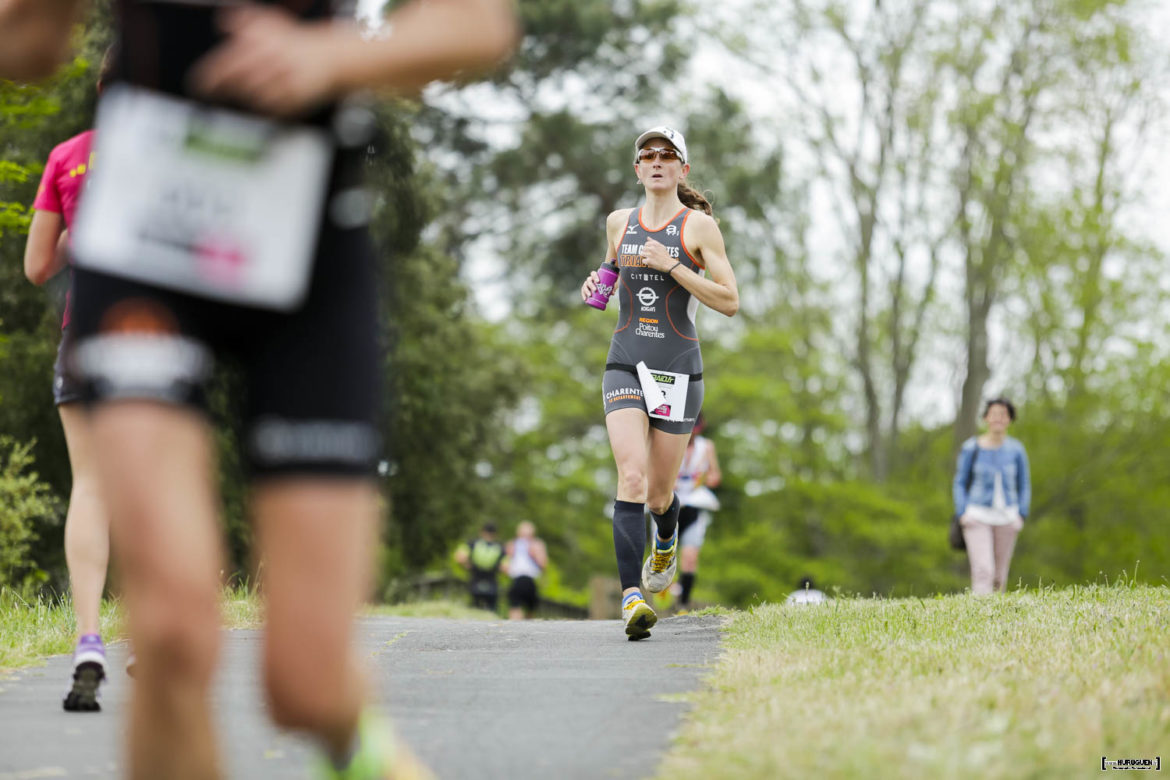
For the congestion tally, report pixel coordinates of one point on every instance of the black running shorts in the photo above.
(311, 375)
(67, 389)
(522, 593)
(621, 390)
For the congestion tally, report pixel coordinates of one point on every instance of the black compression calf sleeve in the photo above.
(668, 521)
(629, 541)
(687, 580)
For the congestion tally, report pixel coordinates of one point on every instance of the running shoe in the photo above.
(380, 755)
(658, 570)
(639, 617)
(89, 670)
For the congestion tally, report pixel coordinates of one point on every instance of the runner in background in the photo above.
(482, 558)
(527, 558)
(698, 474)
(87, 528)
(290, 295)
(665, 251)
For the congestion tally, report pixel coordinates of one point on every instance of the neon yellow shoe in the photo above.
(380, 756)
(639, 617)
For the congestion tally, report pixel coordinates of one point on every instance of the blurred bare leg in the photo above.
(158, 483)
(316, 540)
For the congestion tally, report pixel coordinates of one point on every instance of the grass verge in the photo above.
(1037, 684)
(32, 630)
(432, 609)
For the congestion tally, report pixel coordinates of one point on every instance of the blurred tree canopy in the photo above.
(925, 203)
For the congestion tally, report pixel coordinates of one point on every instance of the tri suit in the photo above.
(656, 323)
(312, 369)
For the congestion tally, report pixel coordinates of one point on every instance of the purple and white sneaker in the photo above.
(89, 670)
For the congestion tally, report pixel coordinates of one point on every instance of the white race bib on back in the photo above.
(210, 202)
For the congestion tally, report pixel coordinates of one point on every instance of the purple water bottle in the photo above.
(609, 276)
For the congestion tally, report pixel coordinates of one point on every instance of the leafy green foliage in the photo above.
(502, 420)
(447, 378)
(26, 503)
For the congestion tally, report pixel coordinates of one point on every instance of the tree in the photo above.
(531, 159)
(862, 95)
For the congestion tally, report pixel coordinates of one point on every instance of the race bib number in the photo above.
(665, 392)
(209, 202)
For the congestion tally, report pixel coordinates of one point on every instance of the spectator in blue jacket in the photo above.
(992, 492)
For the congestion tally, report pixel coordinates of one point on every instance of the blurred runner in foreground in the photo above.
(225, 218)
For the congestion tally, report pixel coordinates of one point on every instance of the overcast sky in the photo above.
(1149, 219)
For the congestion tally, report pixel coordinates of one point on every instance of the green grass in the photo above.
(432, 609)
(1037, 684)
(31, 630)
(242, 607)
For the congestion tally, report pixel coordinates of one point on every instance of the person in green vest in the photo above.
(482, 558)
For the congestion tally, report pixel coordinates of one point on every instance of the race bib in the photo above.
(665, 392)
(210, 202)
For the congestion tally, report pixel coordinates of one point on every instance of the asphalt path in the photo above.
(475, 699)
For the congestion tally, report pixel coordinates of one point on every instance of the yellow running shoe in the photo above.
(639, 617)
(658, 571)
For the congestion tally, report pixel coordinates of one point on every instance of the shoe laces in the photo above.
(661, 559)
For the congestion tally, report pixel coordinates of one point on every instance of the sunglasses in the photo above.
(652, 153)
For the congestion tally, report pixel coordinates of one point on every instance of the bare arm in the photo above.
(718, 291)
(43, 257)
(615, 223)
(34, 36)
(279, 64)
(540, 554)
(714, 476)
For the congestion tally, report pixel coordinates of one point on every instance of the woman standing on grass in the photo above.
(665, 252)
(992, 491)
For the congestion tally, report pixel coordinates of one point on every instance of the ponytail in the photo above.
(692, 198)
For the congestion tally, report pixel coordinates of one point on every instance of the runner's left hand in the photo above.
(655, 256)
(273, 62)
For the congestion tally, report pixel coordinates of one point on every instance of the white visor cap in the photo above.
(666, 133)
